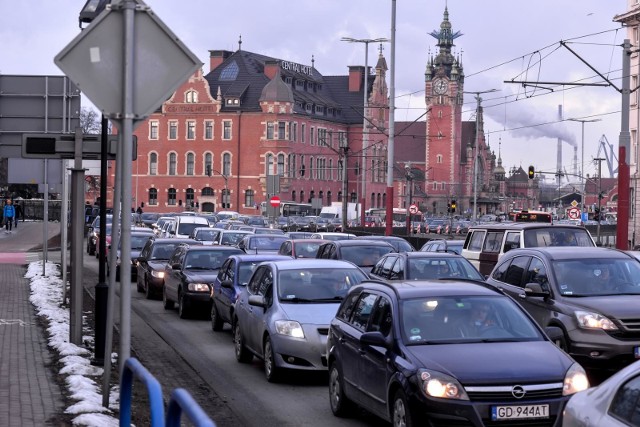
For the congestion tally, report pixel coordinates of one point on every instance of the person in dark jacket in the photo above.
(19, 212)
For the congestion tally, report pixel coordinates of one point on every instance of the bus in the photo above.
(290, 209)
(534, 216)
(399, 214)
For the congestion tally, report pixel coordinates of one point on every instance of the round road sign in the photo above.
(413, 209)
(274, 201)
(574, 213)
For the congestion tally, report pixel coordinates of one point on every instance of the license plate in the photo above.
(519, 412)
(636, 352)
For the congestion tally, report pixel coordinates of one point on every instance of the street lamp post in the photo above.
(225, 196)
(365, 104)
(409, 195)
(344, 151)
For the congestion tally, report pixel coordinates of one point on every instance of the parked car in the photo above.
(300, 248)
(333, 236)
(398, 243)
(443, 245)
(281, 315)
(231, 237)
(298, 234)
(232, 277)
(614, 403)
(363, 253)
(188, 277)
(261, 243)
(258, 221)
(137, 242)
(147, 219)
(592, 294)
(373, 221)
(94, 231)
(206, 235)
(185, 224)
(423, 266)
(445, 353)
(152, 261)
(287, 224)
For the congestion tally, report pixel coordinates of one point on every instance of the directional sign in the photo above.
(413, 209)
(574, 213)
(274, 201)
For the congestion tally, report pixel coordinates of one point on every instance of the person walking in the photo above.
(19, 212)
(9, 214)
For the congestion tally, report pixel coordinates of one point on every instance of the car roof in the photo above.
(295, 241)
(523, 225)
(268, 236)
(235, 231)
(418, 254)
(260, 257)
(381, 238)
(157, 240)
(216, 248)
(424, 288)
(359, 242)
(572, 252)
(296, 264)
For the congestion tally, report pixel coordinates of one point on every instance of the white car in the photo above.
(613, 403)
(333, 236)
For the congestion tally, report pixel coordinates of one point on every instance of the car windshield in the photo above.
(137, 242)
(207, 235)
(317, 284)
(205, 260)
(266, 242)
(465, 319)
(557, 236)
(437, 268)
(365, 256)
(597, 276)
(187, 227)
(245, 270)
(162, 251)
(231, 239)
(306, 249)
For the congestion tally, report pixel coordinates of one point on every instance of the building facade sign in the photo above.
(189, 108)
(297, 68)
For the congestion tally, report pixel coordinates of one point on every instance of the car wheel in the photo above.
(182, 306)
(166, 303)
(242, 353)
(216, 321)
(562, 343)
(146, 289)
(341, 406)
(271, 371)
(401, 416)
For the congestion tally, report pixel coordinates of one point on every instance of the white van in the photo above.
(184, 225)
(227, 215)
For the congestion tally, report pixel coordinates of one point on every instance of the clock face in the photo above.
(439, 86)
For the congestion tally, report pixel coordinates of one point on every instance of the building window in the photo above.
(268, 162)
(190, 197)
(311, 136)
(328, 198)
(294, 132)
(281, 164)
(226, 198)
(208, 164)
(439, 114)
(301, 196)
(191, 129)
(319, 109)
(248, 198)
(435, 185)
(190, 163)
(373, 200)
(226, 129)
(173, 130)
(302, 166)
(340, 196)
(270, 130)
(172, 163)
(282, 130)
(308, 108)
(322, 137)
(311, 170)
(312, 195)
(439, 158)
(291, 171)
(207, 191)
(153, 164)
(293, 196)
(303, 129)
(342, 139)
(354, 197)
(226, 164)
(171, 197)
(331, 175)
(634, 94)
(153, 196)
(208, 129)
(153, 129)
(191, 97)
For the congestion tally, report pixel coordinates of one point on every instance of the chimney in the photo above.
(356, 77)
(217, 57)
(270, 68)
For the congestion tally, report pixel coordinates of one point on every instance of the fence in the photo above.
(33, 209)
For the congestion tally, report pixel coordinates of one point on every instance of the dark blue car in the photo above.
(234, 274)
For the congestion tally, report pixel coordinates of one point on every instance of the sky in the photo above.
(501, 40)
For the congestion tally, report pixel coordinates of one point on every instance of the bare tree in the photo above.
(90, 121)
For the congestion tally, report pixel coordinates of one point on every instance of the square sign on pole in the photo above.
(94, 62)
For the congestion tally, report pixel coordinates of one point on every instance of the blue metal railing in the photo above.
(181, 401)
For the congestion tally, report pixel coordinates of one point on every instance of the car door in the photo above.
(142, 266)
(510, 275)
(254, 325)
(286, 249)
(173, 277)
(224, 298)
(242, 306)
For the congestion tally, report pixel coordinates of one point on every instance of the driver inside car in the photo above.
(479, 319)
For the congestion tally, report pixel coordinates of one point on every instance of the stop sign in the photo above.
(275, 201)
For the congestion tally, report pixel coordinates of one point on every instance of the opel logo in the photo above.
(518, 391)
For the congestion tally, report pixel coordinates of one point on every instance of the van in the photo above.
(486, 243)
(184, 225)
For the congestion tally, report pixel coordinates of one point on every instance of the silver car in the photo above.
(282, 316)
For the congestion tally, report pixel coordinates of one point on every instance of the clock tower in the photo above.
(444, 82)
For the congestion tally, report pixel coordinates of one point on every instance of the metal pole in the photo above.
(475, 161)
(392, 106)
(45, 218)
(365, 135)
(622, 230)
(344, 189)
(77, 219)
(599, 160)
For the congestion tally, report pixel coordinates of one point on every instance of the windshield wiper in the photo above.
(333, 299)
(200, 268)
(296, 299)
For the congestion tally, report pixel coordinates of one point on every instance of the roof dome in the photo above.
(277, 90)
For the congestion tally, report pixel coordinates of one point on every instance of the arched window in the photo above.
(249, 198)
(171, 197)
(281, 164)
(153, 196)
(153, 164)
(302, 167)
(311, 170)
(172, 163)
(354, 197)
(301, 196)
(268, 161)
(207, 191)
(384, 199)
(340, 196)
(331, 170)
(190, 197)
(373, 201)
(191, 97)
(328, 198)
(226, 164)
(321, 196)
(292, 166)
(293, 196)
(191, 159)
(208, 163)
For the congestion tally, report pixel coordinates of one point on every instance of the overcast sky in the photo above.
(501, 40)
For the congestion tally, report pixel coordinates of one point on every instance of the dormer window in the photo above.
(330, 111)
(308, 108)
(191, 97)
(310, 86)
(319, 109)
(233, 102)
(288, 80)
(300, 84)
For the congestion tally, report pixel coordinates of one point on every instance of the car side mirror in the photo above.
(257, 301)
(535, 290)
(374, 338)
(141, 259)
(227, 284)
(176, 266)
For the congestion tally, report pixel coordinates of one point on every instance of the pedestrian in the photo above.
(9, 214)
(19, 212)
(139, 211)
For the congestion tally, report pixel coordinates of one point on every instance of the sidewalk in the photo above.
(29, 393)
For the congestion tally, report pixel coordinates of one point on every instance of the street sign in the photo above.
(574, 213)
(274, 201)
(62, 146)
(94, 61)
(413, 209)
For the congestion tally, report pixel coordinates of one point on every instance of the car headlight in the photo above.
(590, 320)
(290, 328)
(575, 380)
(443, 386)
(198, 287)
(158, 274)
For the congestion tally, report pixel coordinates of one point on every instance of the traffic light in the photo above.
(453, 206)
(532, 172)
